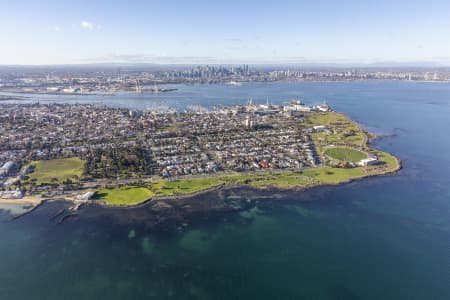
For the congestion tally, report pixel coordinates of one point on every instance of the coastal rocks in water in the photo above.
(161, 206)
(251, 213)
(14, 209)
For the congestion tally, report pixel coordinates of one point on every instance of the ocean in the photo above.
(386, 237)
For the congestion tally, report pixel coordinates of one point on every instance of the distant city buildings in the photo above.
(72, 80)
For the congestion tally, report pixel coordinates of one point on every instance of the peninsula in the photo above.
(120, 157)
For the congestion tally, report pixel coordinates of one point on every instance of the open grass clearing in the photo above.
(345, 154)
(57, 170)
(329, 175)
(125, 195)
(184, 186)
(343, 130)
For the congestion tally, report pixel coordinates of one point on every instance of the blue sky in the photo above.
(191, 31)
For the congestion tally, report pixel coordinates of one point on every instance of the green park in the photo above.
(56, 170)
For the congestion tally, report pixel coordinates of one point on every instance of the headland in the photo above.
(117, 157)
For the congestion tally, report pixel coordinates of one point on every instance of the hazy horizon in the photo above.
(304, 65)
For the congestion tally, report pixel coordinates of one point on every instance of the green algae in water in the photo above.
(263, 224)
(304, 212)
(132, 234)
(196, 240)
(76, 243)
(91, 284)
(125, 287)
(147, 246)
(198, 292)
(251, 213)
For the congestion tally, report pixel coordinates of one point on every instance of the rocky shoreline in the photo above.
(161, 213)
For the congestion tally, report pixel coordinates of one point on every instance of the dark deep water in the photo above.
(380, 238)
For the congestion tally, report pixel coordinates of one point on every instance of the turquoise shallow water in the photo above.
(381, 238)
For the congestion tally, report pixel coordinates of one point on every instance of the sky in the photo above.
(37, 32)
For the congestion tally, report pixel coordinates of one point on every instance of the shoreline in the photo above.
(34, 201)
(24, 201)
(225, 187)
(303, 179)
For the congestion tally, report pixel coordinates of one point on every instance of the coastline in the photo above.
(23, 201)
(35, 202)
(325, 174)
(263, 187)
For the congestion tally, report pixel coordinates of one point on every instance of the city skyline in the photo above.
(286, 32)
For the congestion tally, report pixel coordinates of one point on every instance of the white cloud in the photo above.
(89, 25)
(57, 28)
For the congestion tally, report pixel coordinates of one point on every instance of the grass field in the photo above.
(329, 175)
(345, 154)
(391, 163)
(57, 170)
(282, 180)
(125, 196)
(344, 130)
(184, 186)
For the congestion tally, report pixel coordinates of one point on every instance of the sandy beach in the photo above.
(25, 201)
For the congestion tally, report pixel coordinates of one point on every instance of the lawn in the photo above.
(330, 175)
(345, 154)
(391, 163)
(326, 118)
(344, 131)
(57, 170)
(387, 158)
(125, 196)
(184, 186)
(282, 180)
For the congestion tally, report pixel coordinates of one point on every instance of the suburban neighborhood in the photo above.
(57, 149)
